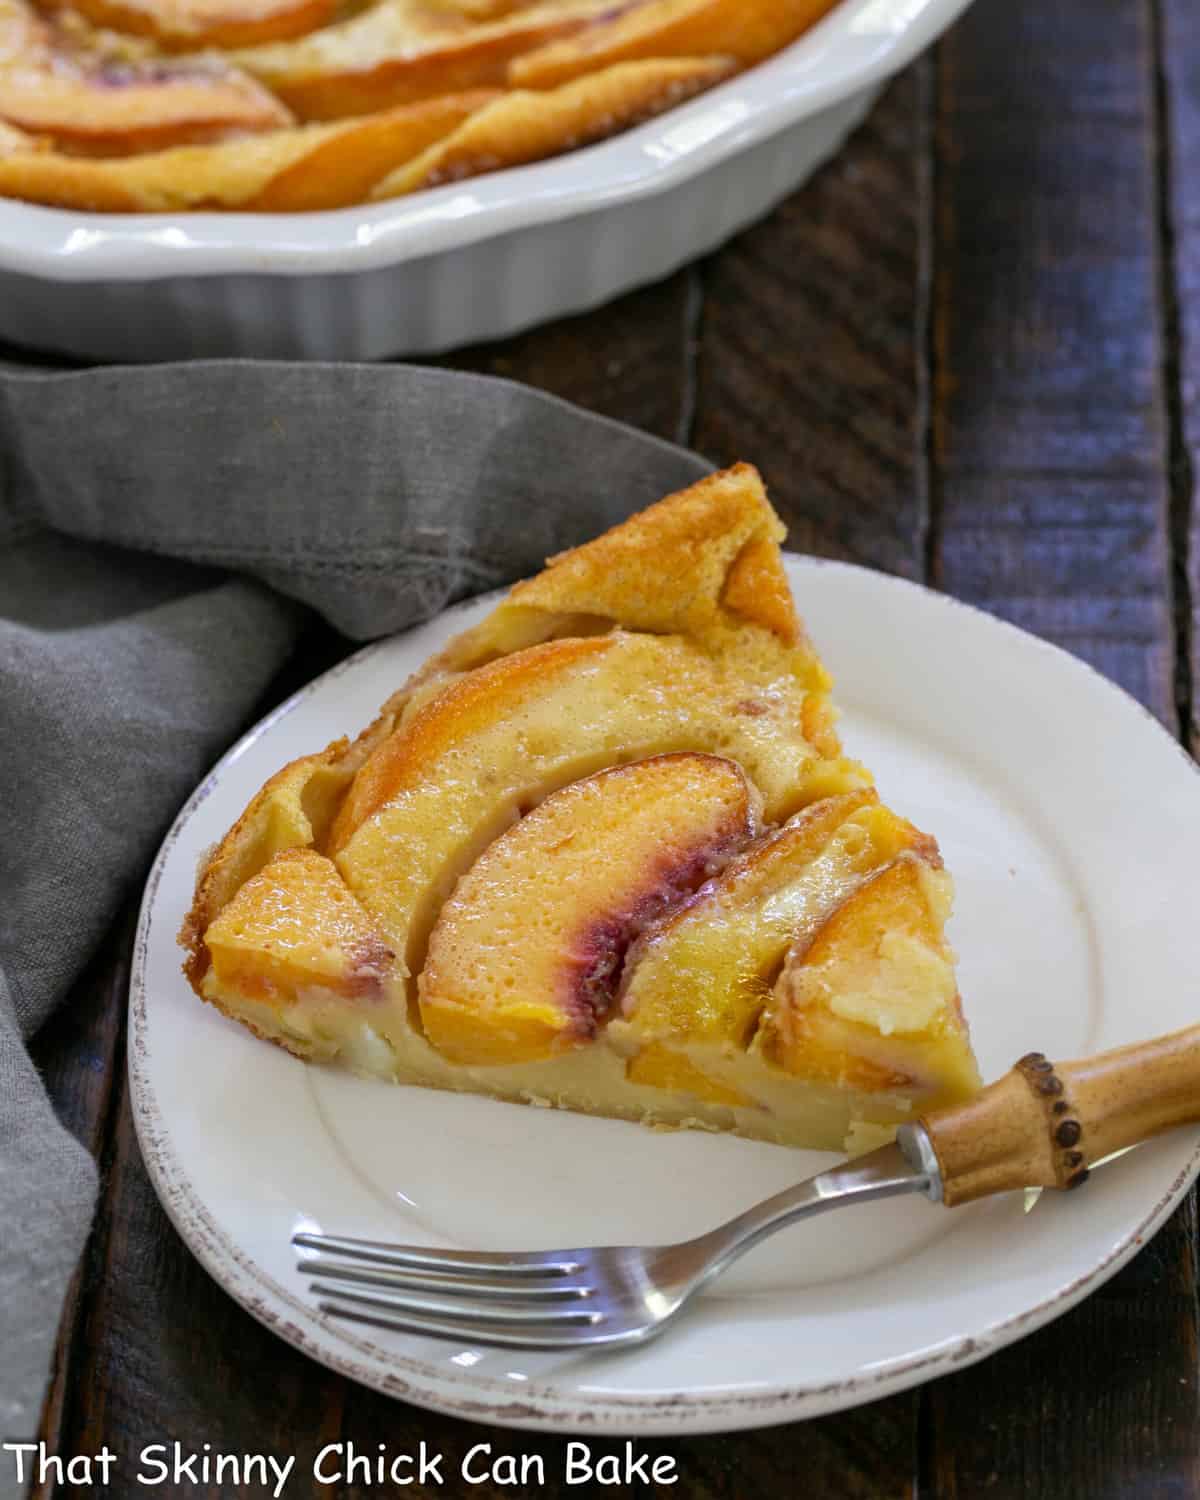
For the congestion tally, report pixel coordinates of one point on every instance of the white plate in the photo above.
(465, 262)
(1070, 820)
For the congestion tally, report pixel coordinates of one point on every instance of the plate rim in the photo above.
(60, 245)
(329, 1343)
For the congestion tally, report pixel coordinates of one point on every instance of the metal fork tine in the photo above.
(521, 1337)
(608, 1296)
(484, 1318)
(457, 1262)
(521, 1288)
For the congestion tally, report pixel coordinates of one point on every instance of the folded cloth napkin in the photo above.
(163, 533)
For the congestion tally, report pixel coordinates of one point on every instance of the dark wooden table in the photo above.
(967, 352)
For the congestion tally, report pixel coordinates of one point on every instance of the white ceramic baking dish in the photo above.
(471, 261)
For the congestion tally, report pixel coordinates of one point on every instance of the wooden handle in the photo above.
(1045, 1124)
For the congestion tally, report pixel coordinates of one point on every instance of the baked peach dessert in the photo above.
(289, 105)
(605, 851)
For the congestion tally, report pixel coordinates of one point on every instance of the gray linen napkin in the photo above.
(161, 530)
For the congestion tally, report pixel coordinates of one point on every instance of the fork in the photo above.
(1041, 1125)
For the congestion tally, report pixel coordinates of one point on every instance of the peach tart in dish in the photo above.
(605, 852)
(290, 105)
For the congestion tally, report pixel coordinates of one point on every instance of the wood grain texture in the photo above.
(1050, 435)
(812, 343)
(1179, 81)
(631, 360)
(1053, 507)
(869, 1453)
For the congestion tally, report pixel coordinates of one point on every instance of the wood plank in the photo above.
(632, 360)
(1052, 499)
(1180, 158)
(865, 1454)
(812, 346)
(1050, 426)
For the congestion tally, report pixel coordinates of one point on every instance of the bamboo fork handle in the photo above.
(1045, 1124)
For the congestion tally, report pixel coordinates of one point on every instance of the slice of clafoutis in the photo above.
(604, 851)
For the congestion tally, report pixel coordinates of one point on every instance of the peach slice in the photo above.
(293, 810)
(706, 971)
(524, 126)
(344, 166)
(701, 978)
(500, 739)
(869, 1000)
(186, 25)
(293, 928)
(399, 51)
(526, 954)
(307, 167)
(748, 30)
(91, 105)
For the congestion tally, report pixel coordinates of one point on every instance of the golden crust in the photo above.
(703, 563)
(668, 568)
(664, 571)
(756, 588)
(99, 111)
